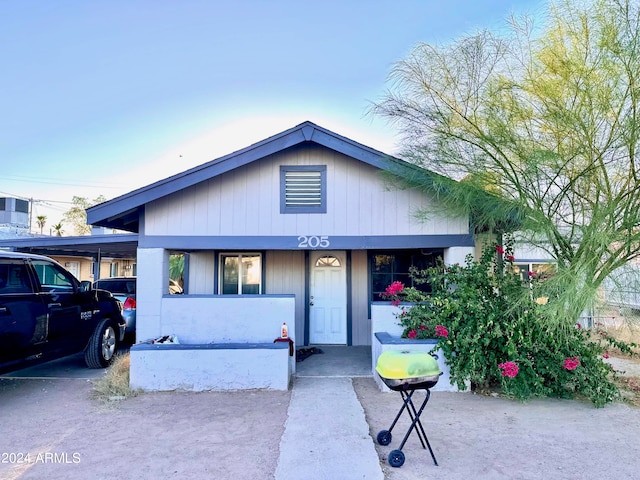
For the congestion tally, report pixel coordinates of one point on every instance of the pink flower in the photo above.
(395, 302)
(571, 363)
(605, 354)
(578, 325)
(499, 249)
(422, 327)
(509, 369)
(442, 331)
(511, 258)
(394, 289)
(530, 273)
(412, 334)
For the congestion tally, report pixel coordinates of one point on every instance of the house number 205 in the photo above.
(313, 241)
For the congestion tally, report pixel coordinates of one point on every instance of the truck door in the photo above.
(69, 309)
(23, 316)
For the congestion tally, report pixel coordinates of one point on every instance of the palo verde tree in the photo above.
(77, 214)
(541, 125)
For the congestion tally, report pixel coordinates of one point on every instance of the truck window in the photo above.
(14, 277)
(52, 276)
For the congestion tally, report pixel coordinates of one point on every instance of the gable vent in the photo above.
(303, 189)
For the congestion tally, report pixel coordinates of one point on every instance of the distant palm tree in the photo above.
(58, 229)
(40, 221)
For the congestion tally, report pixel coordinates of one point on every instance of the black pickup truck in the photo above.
(46, 313)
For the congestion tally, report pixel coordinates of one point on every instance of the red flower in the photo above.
(511, 258)
(571, 363)
(605, 354)
(530, 273)
(442, 331)
(578, 325)
(499, 249)
(394, 289)
(509, 369)
(422, 327)
(412, 334)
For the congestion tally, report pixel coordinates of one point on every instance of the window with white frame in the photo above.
(303, 189)
(240, 274)
(534, 270)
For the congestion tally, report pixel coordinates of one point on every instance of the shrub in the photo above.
(494, 329)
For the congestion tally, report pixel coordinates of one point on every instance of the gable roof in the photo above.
(123, 212)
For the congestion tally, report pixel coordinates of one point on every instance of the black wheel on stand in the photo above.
(396, 458)
(384, 437)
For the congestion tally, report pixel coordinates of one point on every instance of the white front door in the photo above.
(328, 298)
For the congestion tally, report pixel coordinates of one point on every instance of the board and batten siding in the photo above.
(285, 274)
(360, 323)
(246, 202)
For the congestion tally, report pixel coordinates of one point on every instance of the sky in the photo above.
(100, 97)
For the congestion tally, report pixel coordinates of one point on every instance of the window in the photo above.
(22, 206)
(240, 274)
(328, 261)
(52, 277)
(536, 270)
(303, 189)
(394, 265)
(14, 277)
(3, 204)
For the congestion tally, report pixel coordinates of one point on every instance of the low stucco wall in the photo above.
(219, 319)
(198, 367)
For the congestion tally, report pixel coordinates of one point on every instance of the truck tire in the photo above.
(102, 346)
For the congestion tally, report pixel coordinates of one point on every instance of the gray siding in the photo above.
(361, 325)
(246, 202)
(285, 275)
(201, 273)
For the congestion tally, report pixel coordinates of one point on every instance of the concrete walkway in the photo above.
(326, 435)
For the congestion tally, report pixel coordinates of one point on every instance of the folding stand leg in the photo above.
(415, 423)
(411, 410)
(404, 405)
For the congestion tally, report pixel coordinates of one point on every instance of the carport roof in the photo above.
(110, 246)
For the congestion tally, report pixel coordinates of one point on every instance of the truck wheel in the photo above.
(102, 346)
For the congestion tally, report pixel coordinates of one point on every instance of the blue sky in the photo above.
(104, 96)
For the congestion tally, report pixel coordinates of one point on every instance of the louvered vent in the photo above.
(303, 189)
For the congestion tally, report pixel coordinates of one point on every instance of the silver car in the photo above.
(124, 289)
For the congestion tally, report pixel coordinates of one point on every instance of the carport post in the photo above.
(96, 265)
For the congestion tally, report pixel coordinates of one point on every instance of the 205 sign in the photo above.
(313, 241)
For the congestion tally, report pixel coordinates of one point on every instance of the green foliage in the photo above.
(77, 214)
(541, 123)
(493, 316)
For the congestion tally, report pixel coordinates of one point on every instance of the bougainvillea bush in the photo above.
(492, 325)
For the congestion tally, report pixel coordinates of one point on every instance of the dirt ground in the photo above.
(55, 429)
(483, 437)
(68, 434)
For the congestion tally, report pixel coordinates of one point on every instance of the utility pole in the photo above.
(30, 213)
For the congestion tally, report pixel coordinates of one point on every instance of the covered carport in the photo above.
(93, 246)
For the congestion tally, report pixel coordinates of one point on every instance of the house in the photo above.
(300, 228)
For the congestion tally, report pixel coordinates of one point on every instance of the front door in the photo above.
(328, 298)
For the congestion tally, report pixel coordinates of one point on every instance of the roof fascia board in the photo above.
(79, 240)
(194, 175)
